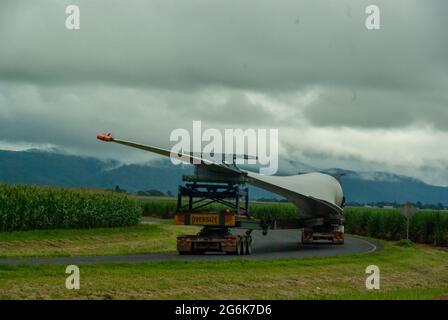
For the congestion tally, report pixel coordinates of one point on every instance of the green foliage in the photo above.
(159, 207)
(30, 208)
(430, 227)
(272, 210)
(389, 224)
(425, 226)
(150, 193)
(405, 243)
(166, 208)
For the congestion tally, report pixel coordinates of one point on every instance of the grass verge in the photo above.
(406, 273)
(143, 238)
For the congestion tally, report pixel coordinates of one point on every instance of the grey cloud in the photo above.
(250, 44)
(311, 69)
(373, 108)
(253, 45)
(231, 108)
(71, 117)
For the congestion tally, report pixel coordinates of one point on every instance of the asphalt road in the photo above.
(278, 244)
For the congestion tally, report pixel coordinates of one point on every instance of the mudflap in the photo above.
(333, 236)
(307, 236)
(338, 235)
(237, 245)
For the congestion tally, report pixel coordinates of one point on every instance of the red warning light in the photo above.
(105, 137)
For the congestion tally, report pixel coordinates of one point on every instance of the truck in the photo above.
(331, 231)
(217, 179)
(213, 237)
(217, 207)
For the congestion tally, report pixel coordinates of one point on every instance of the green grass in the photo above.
(406, 273)
(143, 238)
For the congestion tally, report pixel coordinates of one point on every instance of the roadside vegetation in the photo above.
(416, 272)
(166, 208)
(82, 222)
(426, 226)
(144, 238)
(34, 208)
(430, 227)
(31, 208)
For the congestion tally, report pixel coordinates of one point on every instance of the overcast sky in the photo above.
(340, 95)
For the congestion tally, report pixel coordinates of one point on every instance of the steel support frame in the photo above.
(202, 194)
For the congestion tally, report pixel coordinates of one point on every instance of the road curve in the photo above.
(278, 244)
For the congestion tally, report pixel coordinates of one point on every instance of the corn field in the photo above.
(29, 208)
(166, 208)
(429, 227)
(425, 226)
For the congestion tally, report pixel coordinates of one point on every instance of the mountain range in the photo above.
(58, 169)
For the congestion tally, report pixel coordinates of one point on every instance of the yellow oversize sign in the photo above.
(204, 219)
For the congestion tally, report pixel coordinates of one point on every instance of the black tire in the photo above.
(243, 247)
(248, 246)
(305, 242)
(338, 242)
(238, 248)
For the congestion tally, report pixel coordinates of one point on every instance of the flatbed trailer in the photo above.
(328, 231)
(219, 206)
(215, 235)
(211, 240)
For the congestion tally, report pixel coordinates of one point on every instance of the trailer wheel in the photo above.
(338, 241)
(248, 243)
(307, 237)
(238, 247)
(243, 246)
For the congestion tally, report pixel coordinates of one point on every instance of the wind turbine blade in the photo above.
(187, 158)
(313, 193)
